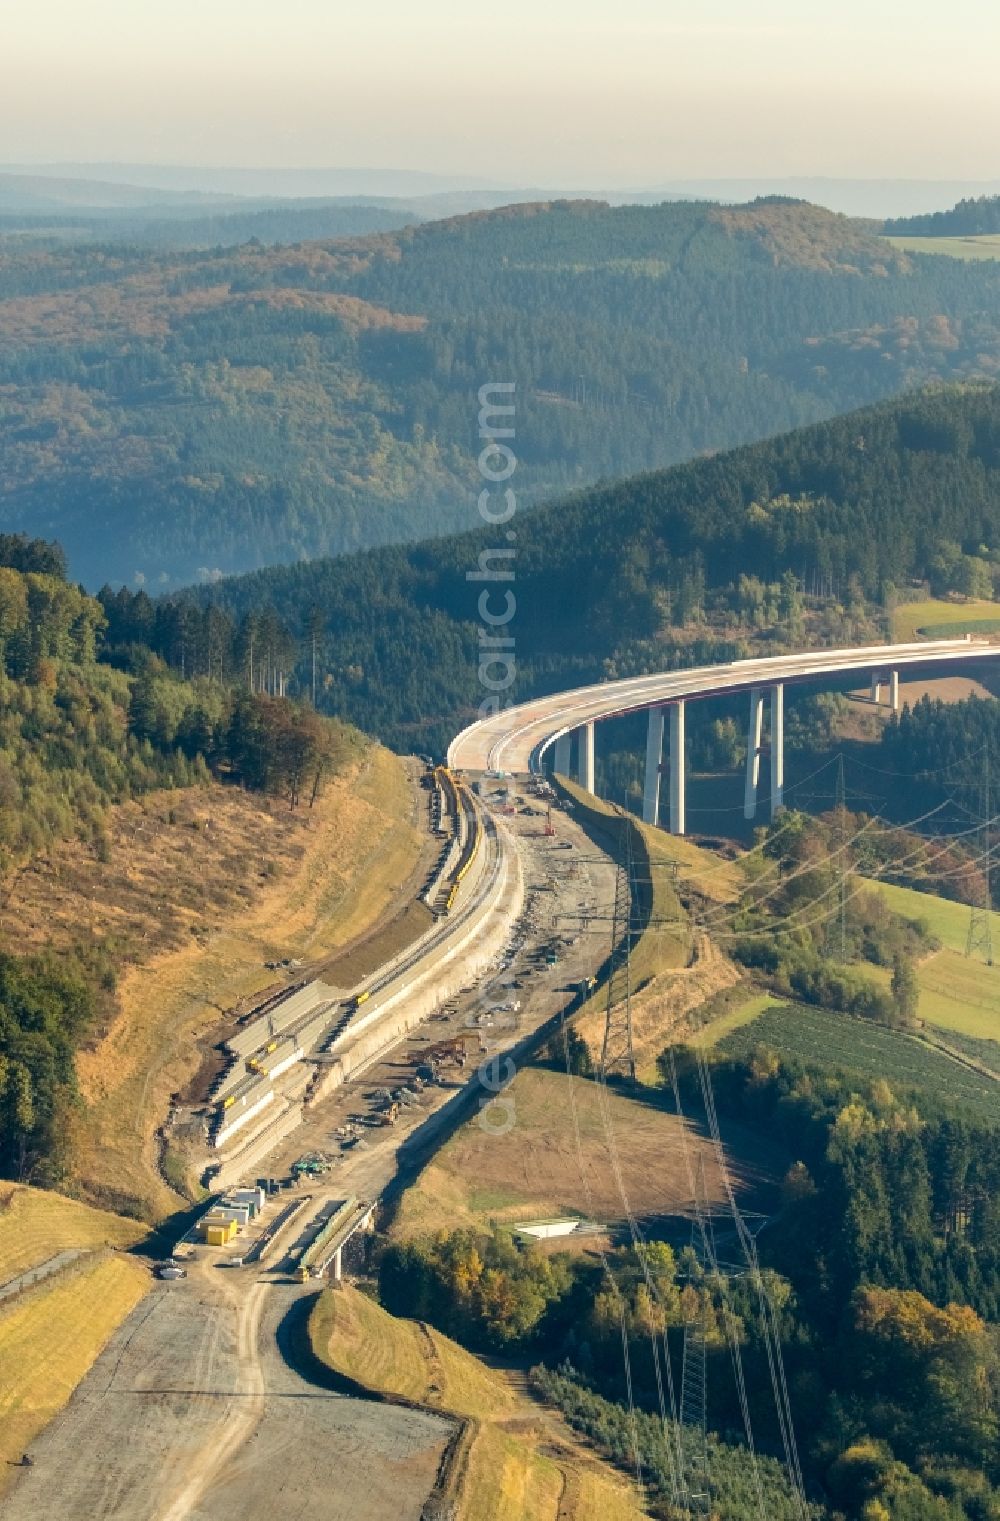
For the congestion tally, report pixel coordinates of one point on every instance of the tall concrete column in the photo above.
(876, 687)
(338, 1265)
(654, 759)
(560, 762)
(585, 756)
(754, 738)
(894, 691)
(777, 747)
(677, 778)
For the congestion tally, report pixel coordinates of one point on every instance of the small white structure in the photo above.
(544, 1230)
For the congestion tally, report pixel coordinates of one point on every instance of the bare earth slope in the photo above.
(199, 890)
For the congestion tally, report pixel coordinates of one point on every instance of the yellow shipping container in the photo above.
(218, 1232)
(220, 1235)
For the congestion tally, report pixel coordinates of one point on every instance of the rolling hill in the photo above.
(175, 415)
(662, 569)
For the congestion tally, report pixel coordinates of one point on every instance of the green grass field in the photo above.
(947, 921)
(734, 1019)
(944, 620)
(957, 992)
(983, 246)
(867, 1052)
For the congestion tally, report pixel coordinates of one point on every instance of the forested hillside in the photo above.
(969, 218)
(78, 735)
(805, 537)
(171, 414)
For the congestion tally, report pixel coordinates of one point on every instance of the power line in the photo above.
(980, 937)
(618, 1054)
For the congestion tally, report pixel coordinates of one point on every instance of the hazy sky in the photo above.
(624, 92)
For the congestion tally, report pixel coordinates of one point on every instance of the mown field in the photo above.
(957, 992)
(521, 1459)
(36, 1225)
(571, 1150)
(947, 921)
(984, 245)
(868, 1052)
(944, 620)
(50, 1337)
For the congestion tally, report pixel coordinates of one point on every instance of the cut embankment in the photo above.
(308, 884)
(511, 1458)
(35, 1225)
(673, 968)
(50, 1337)
(52, 1331)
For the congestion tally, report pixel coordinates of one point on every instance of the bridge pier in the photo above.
(561, 760)
(754, 738)
(337, 1265)
(654, 761)
(894, 691)
(585, 756)
(876, 687)
(777, 747)
(678, 783)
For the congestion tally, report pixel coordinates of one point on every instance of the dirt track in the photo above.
(194, 1411)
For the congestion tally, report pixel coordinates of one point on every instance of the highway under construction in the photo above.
(207, 1403)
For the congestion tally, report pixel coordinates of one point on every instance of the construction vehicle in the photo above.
(445, 1051)
(389, 1115)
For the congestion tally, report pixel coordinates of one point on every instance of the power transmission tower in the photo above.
(617, 1054)
(837, 933)
(694, 1376)
(980, 937)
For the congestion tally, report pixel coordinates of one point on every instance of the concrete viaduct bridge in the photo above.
(519, 739)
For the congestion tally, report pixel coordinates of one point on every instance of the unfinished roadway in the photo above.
(205, 1403)
(205, 1407)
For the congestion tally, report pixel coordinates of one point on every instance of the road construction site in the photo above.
(206, 1403)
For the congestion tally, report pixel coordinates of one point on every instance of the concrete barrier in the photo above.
(465, 961)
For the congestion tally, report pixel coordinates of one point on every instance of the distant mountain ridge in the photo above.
(49, 193)
(879, 198)
(175, 414)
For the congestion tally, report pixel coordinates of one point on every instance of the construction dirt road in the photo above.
(206, 1404)
(563, 876)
